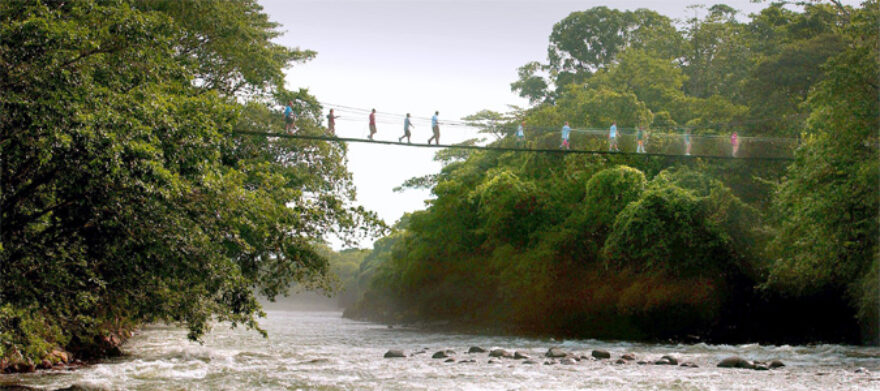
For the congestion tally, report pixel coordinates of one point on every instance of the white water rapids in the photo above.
(321, 350)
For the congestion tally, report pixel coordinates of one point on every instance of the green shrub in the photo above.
(26, 332)
(667, 231)
(609, 191)
(509, 207)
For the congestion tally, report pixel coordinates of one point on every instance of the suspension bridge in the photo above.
(540, 139)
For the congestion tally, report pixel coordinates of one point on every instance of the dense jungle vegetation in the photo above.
(638, 247)
(127, 196)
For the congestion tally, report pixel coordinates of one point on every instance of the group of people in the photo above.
(290, 124)
(641, 138)
(407, 125)
(641, 133)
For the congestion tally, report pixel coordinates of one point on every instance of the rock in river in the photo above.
(393, 353)
(601, 354)
(520, 355)
(672, 359)
(556, 353)
(476, 349)
(443, 354)
(736, 362)
(500, 353)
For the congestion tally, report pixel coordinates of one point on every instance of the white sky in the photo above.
(457, 57)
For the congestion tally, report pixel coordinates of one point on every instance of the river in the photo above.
(320, 350)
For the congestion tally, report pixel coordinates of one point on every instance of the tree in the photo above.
(126, 195)
(718, 56)
(586, 41)
(655, 81)
(491, 122)
(828, 206)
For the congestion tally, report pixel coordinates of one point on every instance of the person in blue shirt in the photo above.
(566, 131)
(612, 138)
(289, 118)
(520, 134)
(407, 124)
(687, 143)
(435, 126)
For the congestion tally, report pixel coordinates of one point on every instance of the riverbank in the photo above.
(106, 343)
(772, 322)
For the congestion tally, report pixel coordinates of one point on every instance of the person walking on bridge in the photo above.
(372, 123)
(520, 134)
(331, 123)
(612, 138)
(687, 143)
(435, 126)
(407, 124)
(566, 131)
(640, 139)
(289, 118)
(734, 142)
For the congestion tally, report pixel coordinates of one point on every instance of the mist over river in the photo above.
(321, 350)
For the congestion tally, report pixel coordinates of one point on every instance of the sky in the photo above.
(456, 57)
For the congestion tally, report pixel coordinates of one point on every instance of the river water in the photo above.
(321, 350)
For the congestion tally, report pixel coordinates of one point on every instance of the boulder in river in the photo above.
(736, 362)
(443, 354)
(500, 353)
(476, 349)
(601, 354)
(530, 362)
(672, 359)
(628, 357)
(688, 364)
(642, 362)
(550, 362)
(450, 360)
(776, 364)
(494, 361)
(567, 361)
(394, 353)
(556, 352)
(861, 370)
(520, 355)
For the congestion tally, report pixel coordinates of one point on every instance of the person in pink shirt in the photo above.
(331, 123)
(734, 142)
(372, 123)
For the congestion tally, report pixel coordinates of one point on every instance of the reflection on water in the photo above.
(320, 350)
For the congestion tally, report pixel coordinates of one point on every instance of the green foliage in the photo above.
(126, 194)
(25, 334)
(511, 209)
(654, 80)
(828, 206)
(588, 40)
(619, 246)
(666, 231)
(609, 191)
(687, 224)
